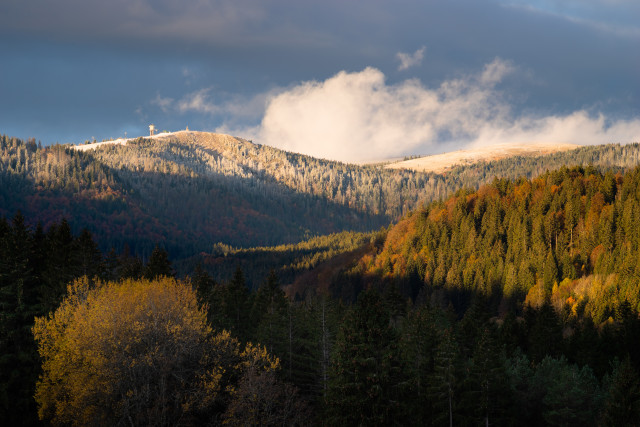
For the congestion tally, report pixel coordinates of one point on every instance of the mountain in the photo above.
(191, 190)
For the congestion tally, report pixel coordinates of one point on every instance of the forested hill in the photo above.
(571, 237)
(190, 190)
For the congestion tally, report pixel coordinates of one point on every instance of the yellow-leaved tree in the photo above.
(137, 352)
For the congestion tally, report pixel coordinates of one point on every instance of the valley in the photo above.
(338, 213)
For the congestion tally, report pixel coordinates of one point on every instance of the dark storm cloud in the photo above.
(82, 68)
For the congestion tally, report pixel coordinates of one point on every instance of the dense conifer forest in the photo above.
(513, 304)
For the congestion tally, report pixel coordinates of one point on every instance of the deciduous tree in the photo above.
(137, 353)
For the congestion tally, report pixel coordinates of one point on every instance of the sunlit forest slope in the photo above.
(571, 236)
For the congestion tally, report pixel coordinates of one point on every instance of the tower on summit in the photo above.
(152, 130)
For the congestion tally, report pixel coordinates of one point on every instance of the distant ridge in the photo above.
(440, 163)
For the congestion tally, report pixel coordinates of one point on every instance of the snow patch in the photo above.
(122, 141)
(86, 147)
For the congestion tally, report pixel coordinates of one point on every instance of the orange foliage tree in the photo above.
(136, 352)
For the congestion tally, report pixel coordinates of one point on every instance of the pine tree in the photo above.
(203, 283)
(419, 343)
(550, 273)
(544, 332)
(131, 266)
(111, 265)
(60, 264)
(326, 319)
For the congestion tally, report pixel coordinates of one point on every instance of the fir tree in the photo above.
(368, 383)
(158, 264)
(622, 399)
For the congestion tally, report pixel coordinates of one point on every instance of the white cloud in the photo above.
(408, 60)
(234, 108)
(495, 71)
(163, 103)
(198, 102)
(578, 127)
(358, 116)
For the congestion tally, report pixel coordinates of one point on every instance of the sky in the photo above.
(350, 80)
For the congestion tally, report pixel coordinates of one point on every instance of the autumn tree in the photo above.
(262, 400)
(137, 353)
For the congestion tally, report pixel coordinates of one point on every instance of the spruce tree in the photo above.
(19, 303)
(88, 257)
(235, 303)
(158, 264)
(269, 316)
(622, 399)
(368, 383)
(445, 382)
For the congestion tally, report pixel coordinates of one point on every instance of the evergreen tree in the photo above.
(569, 395)
(419, 343)
(61, 268)
(327, 320)
(544, 332)
(89, 258)
(550, 273)
(235, 302)
(368, 383)
(204, 284)
(269, 316)
(111, 265)
(158, 264)
(131, 266)
(445, 382)
(486, 393)
(622, 399)
(18, 305)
